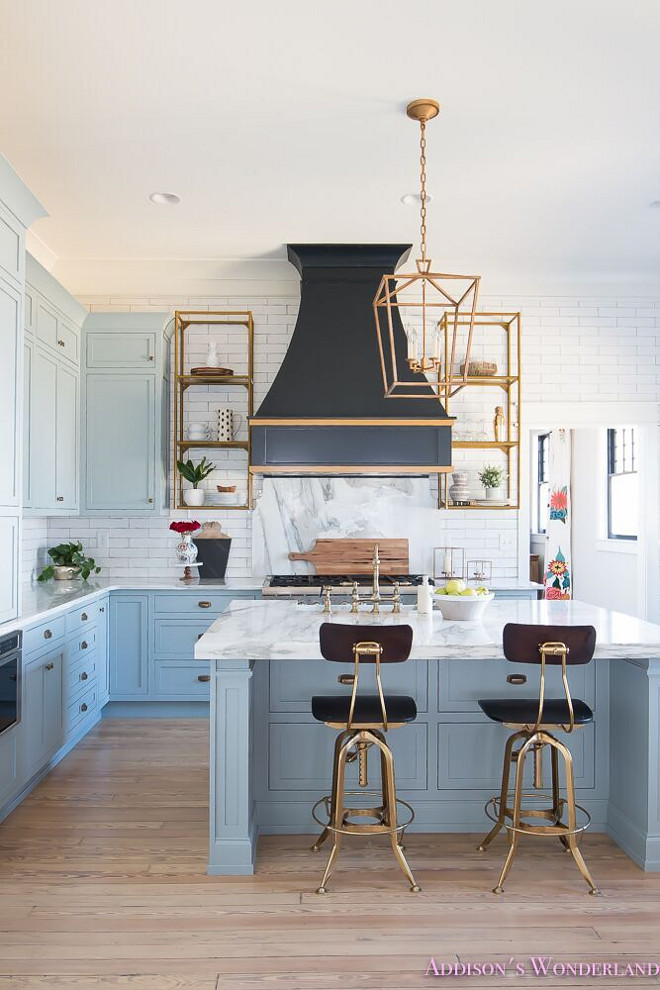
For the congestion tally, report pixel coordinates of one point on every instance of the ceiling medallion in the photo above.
(424, 319)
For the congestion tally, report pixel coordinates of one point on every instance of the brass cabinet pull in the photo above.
(83, 707)
(204, 677)
(346, 679)
(84, 617)
(102, 608)
(205, 604)
(61, 343)
(60, 498)
(516, 679)
(49, 666)
(84, 676)
(48, 634)
(83, 645)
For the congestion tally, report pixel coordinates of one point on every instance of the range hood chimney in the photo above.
(326, 412)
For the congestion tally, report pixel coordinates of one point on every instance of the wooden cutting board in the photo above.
(348, 556)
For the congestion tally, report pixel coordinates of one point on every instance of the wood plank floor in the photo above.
(103, 885)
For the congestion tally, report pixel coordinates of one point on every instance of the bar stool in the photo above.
(533, 719)
(362, 721)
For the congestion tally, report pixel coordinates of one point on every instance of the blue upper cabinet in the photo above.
(124, 423)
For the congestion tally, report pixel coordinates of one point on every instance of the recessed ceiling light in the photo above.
(165, 199)
(414, 199)
(655, 204)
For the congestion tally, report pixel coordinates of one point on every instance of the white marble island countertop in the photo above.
(283, 630)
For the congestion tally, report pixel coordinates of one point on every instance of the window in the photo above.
(622, 484)
(543, 483)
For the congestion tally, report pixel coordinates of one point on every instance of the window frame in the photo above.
(542, 461)
(612, 473)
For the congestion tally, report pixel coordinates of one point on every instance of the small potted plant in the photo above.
(491, 478)
(69, 562)
(195, 474)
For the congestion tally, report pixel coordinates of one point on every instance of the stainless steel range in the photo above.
(313, 585)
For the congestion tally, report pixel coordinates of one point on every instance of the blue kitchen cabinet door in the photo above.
(102, 650)
(10, 780)
(129, 647)
(9, 528)
(10, 316)
(120, 446)
(54, 431)
(42, 709)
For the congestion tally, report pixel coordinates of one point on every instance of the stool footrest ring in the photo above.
(493, 811)
(350, 828)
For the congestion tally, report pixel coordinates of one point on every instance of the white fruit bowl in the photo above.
(463, 608)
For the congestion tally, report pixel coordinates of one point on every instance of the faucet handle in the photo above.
(396, 598)
(327, 600)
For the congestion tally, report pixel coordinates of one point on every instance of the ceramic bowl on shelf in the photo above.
(463, 608)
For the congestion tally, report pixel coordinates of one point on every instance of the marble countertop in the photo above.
(283, 630)
(44, 600)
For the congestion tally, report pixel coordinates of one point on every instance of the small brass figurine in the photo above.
(498, 423)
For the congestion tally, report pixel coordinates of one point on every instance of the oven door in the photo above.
(10, 691)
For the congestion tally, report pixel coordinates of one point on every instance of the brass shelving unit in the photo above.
(509, 384)
(184, 320)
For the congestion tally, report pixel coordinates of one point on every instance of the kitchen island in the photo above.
(270, 761)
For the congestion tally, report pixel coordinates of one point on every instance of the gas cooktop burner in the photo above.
(314, 582)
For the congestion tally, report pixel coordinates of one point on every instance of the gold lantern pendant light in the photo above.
(424, 319)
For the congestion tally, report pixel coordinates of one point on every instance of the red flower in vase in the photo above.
(188, 526)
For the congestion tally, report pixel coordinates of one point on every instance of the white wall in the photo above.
(575, 349)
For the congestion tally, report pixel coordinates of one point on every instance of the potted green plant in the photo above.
(195, 474)
(69, 562)
(491, 478)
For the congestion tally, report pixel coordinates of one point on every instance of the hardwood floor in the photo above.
(102, 885)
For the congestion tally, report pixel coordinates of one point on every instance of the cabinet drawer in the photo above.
(292, 683)
(197, 603)
(43, 635)
(121, 350)
(462, 682)
(80, 676)
(181, 680)
(82, 709)
(177, 637)
(470, 756)
(300, 757)
(81, 645)
(82, 618)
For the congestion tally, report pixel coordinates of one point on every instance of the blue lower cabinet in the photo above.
(42, 710)
(10, 769)
(129, 647)
(102, 643)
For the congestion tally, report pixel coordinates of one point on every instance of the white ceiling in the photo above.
(285, 121)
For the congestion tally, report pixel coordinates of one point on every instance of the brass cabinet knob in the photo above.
(61, 343)
(150, 499)
(48, 634)
(83, 645)
(516, 679)
(204, 677)
(83, 707)
(346, 679)
(60, 498)
(50, 666)
(204, 604)
(84, 676)
(84, 617)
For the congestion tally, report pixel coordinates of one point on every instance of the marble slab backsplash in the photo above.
(291, 513)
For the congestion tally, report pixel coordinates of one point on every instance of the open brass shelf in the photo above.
(184, 320)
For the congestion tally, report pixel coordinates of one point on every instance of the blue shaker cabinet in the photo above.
(129, 647)
(43, 712)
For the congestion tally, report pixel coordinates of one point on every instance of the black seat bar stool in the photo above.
(362, 721)
(534, 719)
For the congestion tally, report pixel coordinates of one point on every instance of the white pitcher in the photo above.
(229, 423)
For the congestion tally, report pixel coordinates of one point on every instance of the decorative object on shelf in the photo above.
(195, 474)
(198, 431)
(213, 546)
(491, 478)
(69, 562)
(212, 357)
(479, 570)
(186, 551)
(192, 327)
(415, 301)
(498, 424)
(459, 491)
(479, 369)
(229, 423)
(226, 494)
(448, 562)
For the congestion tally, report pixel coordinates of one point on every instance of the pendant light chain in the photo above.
(422, 179)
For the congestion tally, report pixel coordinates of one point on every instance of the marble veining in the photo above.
(277, 630)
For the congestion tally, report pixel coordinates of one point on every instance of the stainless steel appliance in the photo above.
(312, 585)
(10, 680)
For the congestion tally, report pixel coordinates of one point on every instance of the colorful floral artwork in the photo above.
(559, 504)
(558, 578)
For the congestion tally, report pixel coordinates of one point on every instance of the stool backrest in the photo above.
(338, 641)
(522, 643)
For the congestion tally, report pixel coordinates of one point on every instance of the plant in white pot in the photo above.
(195, 474)
(491, 478)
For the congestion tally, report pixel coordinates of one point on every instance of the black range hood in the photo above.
(325, 412)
